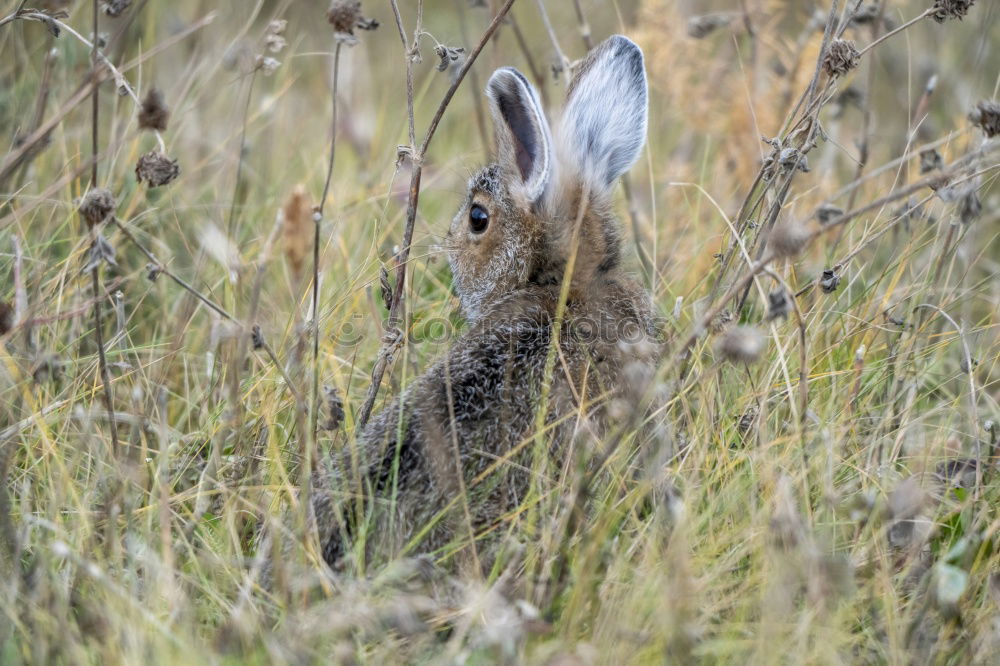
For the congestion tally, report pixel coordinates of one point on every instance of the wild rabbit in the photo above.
(454, 453)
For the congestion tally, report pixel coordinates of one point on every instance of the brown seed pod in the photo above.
(96, 205)
(951, 9)
(297, 231)
(840, 58)
(156, 169)
(154, 114)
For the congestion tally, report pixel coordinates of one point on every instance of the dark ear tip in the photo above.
(623, 47)
(504, 79)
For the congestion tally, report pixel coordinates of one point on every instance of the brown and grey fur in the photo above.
(481, 399)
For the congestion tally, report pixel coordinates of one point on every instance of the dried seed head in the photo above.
(451, 57)
(256, 337)
(868, 14)
(951, 9)
(115, 8)
(968, 364)
(296, 231)
(101, 251)
(334, 408)
(827, 213)
(6, 317)
(788, 239)
(344, 16)
(267, 66)
(700, 27)
(747, 418)
(840, 58)
(96, 205)
(385, 287)
(986, 115)
(46, 367)
(721, 321)
(791, 158)
(274, 38)
(930, 160)
(829, 281)
(969, 206)
(153, 114)
(779, 304)
(742, 344)
(156, 169)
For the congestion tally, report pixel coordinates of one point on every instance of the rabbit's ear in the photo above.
(603, 126)
(524, 142)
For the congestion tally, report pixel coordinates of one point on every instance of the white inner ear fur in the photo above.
(603, 127)
(524, 141)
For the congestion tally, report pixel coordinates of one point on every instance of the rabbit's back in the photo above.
(465, 430)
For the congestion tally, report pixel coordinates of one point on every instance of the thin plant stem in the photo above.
(96, 272)
(312, 436)
(230, 225)
(916, 19)
(378, 372)
(162, 268)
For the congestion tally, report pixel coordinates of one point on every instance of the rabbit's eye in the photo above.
(479, 219)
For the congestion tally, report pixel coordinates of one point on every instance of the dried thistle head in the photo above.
(970, 207)
(827, 213)
(153, 114)
(296, 231)
(334, 408)
(115, 8)
(6, 317)
(451, 58)
(788, 239)
(344, 16)
(699, 27)
(742, 344)
(96, 205)
(779, 304)
(46, 367)
(156, 169)
(841, 57)
(986, 116)
(722, 321)
(930, 160)
(951, 9)
(829, 281)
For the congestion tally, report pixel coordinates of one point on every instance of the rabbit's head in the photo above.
(546, 199)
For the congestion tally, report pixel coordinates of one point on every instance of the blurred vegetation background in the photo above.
(862, 539)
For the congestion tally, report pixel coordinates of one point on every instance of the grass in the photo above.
(734, 527)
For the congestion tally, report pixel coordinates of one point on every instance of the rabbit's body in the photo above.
(458, 448)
